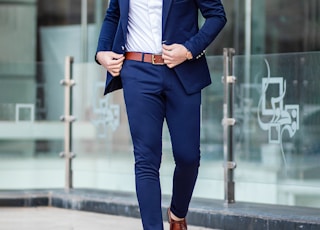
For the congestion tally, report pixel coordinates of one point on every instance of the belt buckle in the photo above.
(154, 62)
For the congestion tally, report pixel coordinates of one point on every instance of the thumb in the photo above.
(167, 47)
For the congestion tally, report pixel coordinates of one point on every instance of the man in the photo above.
(154, 50)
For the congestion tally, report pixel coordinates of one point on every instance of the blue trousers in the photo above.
(153, 93)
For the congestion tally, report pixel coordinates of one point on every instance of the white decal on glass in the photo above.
(104, 113)
(273, 115)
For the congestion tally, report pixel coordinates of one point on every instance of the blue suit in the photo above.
(156, 93)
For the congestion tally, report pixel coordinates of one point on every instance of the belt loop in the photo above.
(142, 58)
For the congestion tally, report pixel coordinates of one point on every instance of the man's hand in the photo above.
(111, 61)
(174, 54)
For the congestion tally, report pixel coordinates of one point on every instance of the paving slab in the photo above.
(50, 218)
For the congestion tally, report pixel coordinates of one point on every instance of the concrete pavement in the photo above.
(50, 218)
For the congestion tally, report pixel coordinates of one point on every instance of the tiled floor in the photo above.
(48, 218)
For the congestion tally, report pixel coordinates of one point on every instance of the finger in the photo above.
(166, 61)
(165, 53)
(117, 68)
(165, 47)
(115, 73)
(117, 56)
(115, 63)
(170, 65)
(168, 58)
(168, 47)
(117, 60)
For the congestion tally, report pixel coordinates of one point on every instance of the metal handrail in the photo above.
(228, 122)
(68, 119)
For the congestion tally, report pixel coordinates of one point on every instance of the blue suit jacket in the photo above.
(179, 25)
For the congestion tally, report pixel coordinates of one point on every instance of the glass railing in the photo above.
(31, 135)
(277, 133)
(275, 137)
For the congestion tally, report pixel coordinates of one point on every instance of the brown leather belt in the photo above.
(155, 59)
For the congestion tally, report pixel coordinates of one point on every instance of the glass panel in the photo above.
(277, 131)
(210, 179)
(101, 136)
(31, 134)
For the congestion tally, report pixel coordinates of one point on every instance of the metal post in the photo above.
(98, 17)
(84, 30)
(67, 118)
(247, 55)
(228, 123)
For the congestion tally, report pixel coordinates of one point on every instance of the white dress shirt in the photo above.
(145, 26)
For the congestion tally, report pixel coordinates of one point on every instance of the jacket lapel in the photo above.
(165, 11)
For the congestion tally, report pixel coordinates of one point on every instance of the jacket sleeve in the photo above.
(215, 20)
(109, 27)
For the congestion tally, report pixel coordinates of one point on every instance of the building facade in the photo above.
(276, 102)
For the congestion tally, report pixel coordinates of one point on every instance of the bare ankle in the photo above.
(174, 217)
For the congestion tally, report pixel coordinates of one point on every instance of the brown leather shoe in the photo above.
(176, 225)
